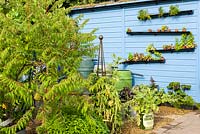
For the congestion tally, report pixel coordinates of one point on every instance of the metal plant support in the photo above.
(101, 69)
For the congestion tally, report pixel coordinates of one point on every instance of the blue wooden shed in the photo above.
(112, 21)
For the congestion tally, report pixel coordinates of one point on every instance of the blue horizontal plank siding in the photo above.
(179, 66)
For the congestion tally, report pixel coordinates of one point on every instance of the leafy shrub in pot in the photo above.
(144, 103)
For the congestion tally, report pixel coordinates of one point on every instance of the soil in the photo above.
(164, 116)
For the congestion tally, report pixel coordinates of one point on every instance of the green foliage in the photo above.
(174, 85)
(164, 28)
(130, 56)
(20, 124)
(145, 101)
(186, 41)
(116, 60)
(178, 97)
(150, 48)
(143, 15)
(106, 100)
(161, 11)
(73, 115)
(34, 41)
(190, 41)
(173, 10)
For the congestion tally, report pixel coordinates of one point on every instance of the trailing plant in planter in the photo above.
(161, 12)
(173, 10)
(143, 15)
(150, 48)
(164, 28)
(136, 57)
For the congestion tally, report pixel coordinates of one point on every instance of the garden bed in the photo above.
(164, 116)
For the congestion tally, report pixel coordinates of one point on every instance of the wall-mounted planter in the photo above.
(143, 62)
(158, 33)
(174, 50)
(181, 13)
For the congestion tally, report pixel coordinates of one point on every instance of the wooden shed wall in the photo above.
(112, 23)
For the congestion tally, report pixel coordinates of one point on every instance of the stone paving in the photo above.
(187, 124)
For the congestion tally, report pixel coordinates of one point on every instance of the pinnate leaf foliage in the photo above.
(36, 39)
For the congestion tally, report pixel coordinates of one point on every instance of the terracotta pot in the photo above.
(184, 30)
(149, 30)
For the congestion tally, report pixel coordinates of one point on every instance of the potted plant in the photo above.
(149, 30)
(176, 30)
(158, 30)
(161, 12)
(168, 30)
(150, 48)
(128, 30)
(184, 29)
(173, 10)
(143, 15)
(190, 41)
(168, 47)
(145, 104)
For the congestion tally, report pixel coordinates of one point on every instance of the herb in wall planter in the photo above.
(140, 58)
(161, 12)
(143, 15)
(184, 29)
(173, 10)
(190, 41)
(164, 28)
(128, 30)
(150, 48)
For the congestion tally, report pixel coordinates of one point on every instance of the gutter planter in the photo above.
(143, 62)
(181, 13)
(173, 50)
(158, 33)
